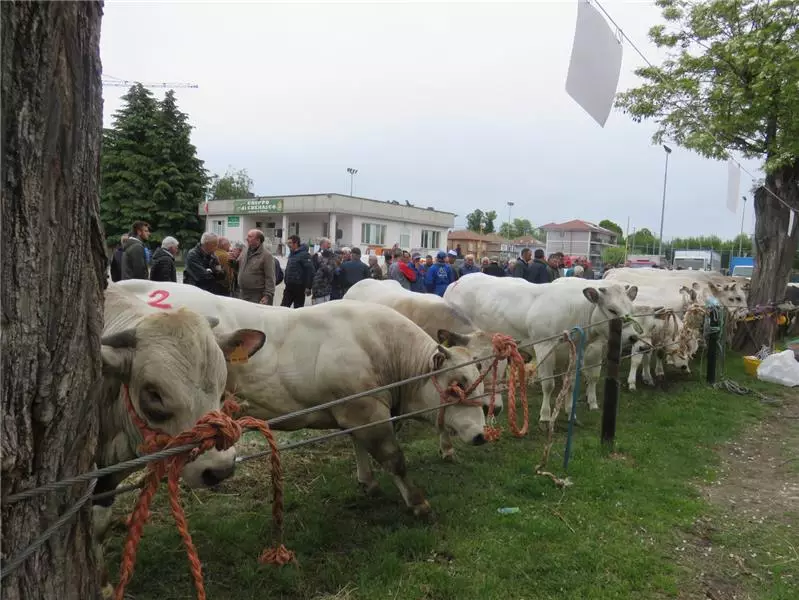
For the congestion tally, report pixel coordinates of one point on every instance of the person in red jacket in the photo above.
(401, 271)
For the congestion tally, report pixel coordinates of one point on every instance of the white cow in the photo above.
(321, 353)
(532, 312)
(174, 369)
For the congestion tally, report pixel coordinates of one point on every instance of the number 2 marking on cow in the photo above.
(158, 297)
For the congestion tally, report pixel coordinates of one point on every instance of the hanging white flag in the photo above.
(733, 185)
(791, 223)
(595, 64)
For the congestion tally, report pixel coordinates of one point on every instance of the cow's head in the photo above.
(175, 369)
(690, 295)
(615, 302)
(729, 295)
(465, 420)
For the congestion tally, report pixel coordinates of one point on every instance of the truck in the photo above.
(697, 260)
(643, 261)
(742, 266)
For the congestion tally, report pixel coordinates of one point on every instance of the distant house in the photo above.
(579, 238)
(513, 248)
(479, 244)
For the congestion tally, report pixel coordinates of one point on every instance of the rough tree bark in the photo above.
(53, 275)
(774, 254)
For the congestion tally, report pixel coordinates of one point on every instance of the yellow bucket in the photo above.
(750, 365)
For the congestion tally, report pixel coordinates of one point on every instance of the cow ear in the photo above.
(713, 287)
(746, 287)
(732, 287)
(240, 345)
(117, 352)
(439, 358)
(526, 356)
(212, 321)
(632, 292)
(695, 286)
(448, 338)
(591, 295)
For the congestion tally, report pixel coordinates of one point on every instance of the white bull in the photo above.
(321, 353)
(533, 312)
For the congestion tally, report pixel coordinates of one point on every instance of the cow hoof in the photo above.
(632, 387)
(448, 456)
(595, 406)
(649, 382)
(371, 488)
(107, 593)
(422, 510)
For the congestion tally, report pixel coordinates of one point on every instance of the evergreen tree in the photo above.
(150, 170)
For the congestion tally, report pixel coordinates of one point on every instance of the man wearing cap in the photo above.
(451, 256)
(421, 271)
(440, 275)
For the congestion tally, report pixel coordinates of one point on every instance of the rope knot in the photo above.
(505, 347)
(214, 430)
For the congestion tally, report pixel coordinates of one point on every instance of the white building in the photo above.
(579, 238)
(368, 224)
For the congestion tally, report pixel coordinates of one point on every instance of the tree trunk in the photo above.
(53, 275)
(774, 254)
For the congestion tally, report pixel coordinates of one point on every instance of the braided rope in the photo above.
(215, 430)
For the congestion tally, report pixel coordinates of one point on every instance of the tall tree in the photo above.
(181, 179)
(730, 83)
(53, 274)
(233, 184)
(612, 226)
(481, 221)
(150, 170)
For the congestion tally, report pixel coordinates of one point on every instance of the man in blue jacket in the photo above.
(299, 274)
(439, 276)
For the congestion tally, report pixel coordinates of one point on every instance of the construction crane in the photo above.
(111, 81)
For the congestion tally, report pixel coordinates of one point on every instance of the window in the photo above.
(294, 229)
(373, 234)
(405, 240)
(431, 239)
(325, 229)
(218, 227)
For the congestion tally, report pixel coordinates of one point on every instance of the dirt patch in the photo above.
(756, 493)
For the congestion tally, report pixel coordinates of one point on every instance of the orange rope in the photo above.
(215, 430)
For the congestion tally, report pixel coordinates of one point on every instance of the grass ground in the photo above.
(685, 508)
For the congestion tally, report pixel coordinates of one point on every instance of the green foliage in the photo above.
(521, 228)
(613, 255)
(730, 80)
(150, 170)
(481, 222)
(231, 186)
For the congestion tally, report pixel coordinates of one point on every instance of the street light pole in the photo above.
(741, 237)
(353, 173)
(663, 204)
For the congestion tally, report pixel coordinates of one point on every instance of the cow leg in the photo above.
(593, 371)
(445, 446)
(366, 477)
(659, 372)
(646, 374)
(636, 361)
(546, 369)
(380, 442)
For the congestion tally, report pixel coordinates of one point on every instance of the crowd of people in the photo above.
(250, 271)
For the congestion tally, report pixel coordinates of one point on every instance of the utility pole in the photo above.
(663, 204)
(353, 173)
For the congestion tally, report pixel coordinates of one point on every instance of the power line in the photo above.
(111, 81)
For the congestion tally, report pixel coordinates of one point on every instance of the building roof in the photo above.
(527, 241)
(577, 225)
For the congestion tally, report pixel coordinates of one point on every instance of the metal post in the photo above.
(663, 204)
(575, 393)
(353, 173)
(610, 406)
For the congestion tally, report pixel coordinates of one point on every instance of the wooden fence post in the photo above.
(714, 331)
(611, 401)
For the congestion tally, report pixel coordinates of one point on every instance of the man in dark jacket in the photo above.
(323, 278)
(116, 259)
(162, 267)
(202, 267)
(522, 267)
(538, 271)
(353, 271)
(494, 269)
(299, 274)
(134, 258)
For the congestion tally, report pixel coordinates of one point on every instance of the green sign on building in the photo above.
(234, 221)
(258, 205)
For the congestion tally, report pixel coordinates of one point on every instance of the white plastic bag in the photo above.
(780, 368)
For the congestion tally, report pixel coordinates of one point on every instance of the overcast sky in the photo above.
(452, 105)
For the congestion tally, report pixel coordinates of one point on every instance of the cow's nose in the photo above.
(479, 439)
(212, 477)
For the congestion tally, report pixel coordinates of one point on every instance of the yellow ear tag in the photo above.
(239, 355)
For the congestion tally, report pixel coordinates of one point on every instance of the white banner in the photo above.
(733, 185)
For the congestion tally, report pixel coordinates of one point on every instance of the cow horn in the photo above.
(121, 339)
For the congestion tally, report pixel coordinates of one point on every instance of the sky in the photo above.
(455, 105)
